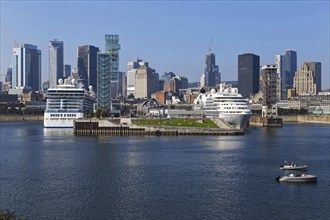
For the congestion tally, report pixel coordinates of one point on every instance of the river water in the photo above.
(52, 174)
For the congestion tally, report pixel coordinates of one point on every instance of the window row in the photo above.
(63, 115)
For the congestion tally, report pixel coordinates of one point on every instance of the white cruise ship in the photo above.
(227, 104)
(67, 102)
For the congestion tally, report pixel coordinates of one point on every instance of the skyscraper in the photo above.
(146, 82)
(104, 81)
(9, 75)
(269, 85)
(211, 72)
(307, 79)
(122, 84)
(279, 59)
(112, 47)
(56, 61)
(132, 68)
(87, 65)
(67, 70)
(248, 74)
(287, 69)
(26, 67)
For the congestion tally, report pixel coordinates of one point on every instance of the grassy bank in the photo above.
(194, 123)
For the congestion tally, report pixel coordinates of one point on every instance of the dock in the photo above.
(118, 127)
(275, 122)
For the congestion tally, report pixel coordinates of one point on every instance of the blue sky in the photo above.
(172, 35)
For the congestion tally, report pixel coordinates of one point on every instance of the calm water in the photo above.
(52, 174)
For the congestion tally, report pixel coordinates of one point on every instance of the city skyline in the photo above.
(173, 36)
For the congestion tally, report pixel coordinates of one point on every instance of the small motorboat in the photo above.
(297, 178)
(293, 166)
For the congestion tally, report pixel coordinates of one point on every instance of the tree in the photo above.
(9, 215)
(98, 113)
(105, 113)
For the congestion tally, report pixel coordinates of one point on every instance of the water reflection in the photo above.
(51, 132)
(223, 143)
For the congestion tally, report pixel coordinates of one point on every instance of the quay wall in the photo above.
(319, 119)
(322, 119)
(15, 118)
(106, 127)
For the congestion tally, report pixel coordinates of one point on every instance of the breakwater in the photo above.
(118, 128)
(319, 119)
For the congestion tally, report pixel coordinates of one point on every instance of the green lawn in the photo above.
(182, 122)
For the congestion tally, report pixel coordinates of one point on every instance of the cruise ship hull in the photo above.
(238, 120)
(61, 121)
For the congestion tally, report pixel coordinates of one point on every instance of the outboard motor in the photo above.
(277, 178)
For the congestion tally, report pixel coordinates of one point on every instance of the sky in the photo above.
(172, 35)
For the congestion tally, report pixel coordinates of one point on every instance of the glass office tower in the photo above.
(56, 61)
(248, 74)
(26, 67)
(112, 47)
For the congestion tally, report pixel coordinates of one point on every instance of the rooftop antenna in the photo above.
(210, 47)
(16, 45)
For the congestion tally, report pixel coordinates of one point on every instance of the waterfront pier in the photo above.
(124, 127)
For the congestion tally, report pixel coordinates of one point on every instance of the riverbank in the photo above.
(16, 118)
(320, 119)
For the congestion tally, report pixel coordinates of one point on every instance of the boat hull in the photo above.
(299, 179)
(60, 121)
(238, 120)
(294, 167)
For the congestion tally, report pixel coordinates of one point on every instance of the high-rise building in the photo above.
(56, 61)
(67, 70)
(269, 85)
(132, 68)
(104, 81)
(87, 65)
(26, 67)
(9, 75)
(248, 74)
(175, 83)
(112, 47)
(164, 78)
(286, 70)
(122, 84)
(211, 72)
(146, 82)
(279, 59)
(307, 79)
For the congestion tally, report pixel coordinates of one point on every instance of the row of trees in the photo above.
(20, 111)
(284, 111)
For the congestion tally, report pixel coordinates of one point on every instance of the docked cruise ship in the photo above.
(66, 102)
(227, 104)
